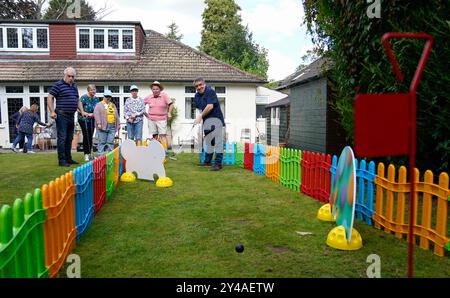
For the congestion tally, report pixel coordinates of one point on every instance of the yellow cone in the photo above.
(337, 239)
(164, 182)
(324, 213)
(128, 177)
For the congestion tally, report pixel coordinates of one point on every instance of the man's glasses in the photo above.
(198, 85)
(70, 76)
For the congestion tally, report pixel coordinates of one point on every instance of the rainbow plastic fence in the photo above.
(38, 233)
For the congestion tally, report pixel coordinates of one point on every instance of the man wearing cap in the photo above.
(160, 110)
(134, 111)
(107, 123)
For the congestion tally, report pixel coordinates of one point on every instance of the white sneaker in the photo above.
(31, 152)
(14, 149)
(86, 157)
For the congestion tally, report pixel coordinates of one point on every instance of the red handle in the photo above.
(426, 52)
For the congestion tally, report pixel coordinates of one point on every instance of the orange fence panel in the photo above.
(391, 195)
(59, 228)
(273, 163)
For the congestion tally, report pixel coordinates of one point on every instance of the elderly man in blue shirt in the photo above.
(65, 93)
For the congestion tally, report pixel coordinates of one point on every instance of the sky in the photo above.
(276, 25)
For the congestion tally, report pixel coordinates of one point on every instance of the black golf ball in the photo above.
(239, 248)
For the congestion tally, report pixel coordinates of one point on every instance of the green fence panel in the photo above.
(110, 166)
(290, 168)
(240, 150)
(22, 251)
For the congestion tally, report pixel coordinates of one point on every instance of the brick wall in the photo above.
(63, 43)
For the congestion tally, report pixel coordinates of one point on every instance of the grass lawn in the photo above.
(191, 229)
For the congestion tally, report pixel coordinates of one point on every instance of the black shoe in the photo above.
(215, 168)
(204, 164)
(64, 164)
(73, 162)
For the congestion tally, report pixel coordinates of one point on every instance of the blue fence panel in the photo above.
(333, 174)
(120, 162)
(259, 159)
(365, 185)
(84, 198)
(229, 154)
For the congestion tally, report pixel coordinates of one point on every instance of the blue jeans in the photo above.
(134, 131)
(65, 126)
(106, 138)
(216, 147)
(21, 137)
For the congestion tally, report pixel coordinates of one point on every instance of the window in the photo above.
(126, 89)
(41, 37)
(260, 111)
(18, 38)
(12, 37)
(189, 89)
(113, 39)
(220, 90)
(100, 89)
(189, 108)
(84, 39)
(27, 38)
(127, 39)
(34, 89)
(114, 89)
(47, 89)
(222, 105)
(105, 39)
(14, 89)
(99, 39)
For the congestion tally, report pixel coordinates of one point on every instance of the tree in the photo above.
(173, 32)
(343, 31)
(225, 38)
(74, 9)
(20, 9)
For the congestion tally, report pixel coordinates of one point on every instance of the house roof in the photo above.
(280, 103)
(309, 73)
(161, 59)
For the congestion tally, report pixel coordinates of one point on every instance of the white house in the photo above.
(115, 55)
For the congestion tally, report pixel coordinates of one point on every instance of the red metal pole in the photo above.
(412, 140)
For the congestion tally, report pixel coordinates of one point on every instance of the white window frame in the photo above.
(20, 48)
(92, 50)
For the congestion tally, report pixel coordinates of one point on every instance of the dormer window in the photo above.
(95, 39)
(24, 38)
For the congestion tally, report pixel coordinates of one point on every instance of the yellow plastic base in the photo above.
(336, 239)
(324, 213)
(128, 177)
(164, 182)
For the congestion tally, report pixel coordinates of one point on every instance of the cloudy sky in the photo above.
(275, 24)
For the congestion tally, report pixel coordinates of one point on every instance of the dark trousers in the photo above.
(65, 126)
(87, 128)
(214, 145)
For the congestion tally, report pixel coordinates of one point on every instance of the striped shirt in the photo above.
(66, 96)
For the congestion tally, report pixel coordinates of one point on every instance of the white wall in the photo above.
(240, 109)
